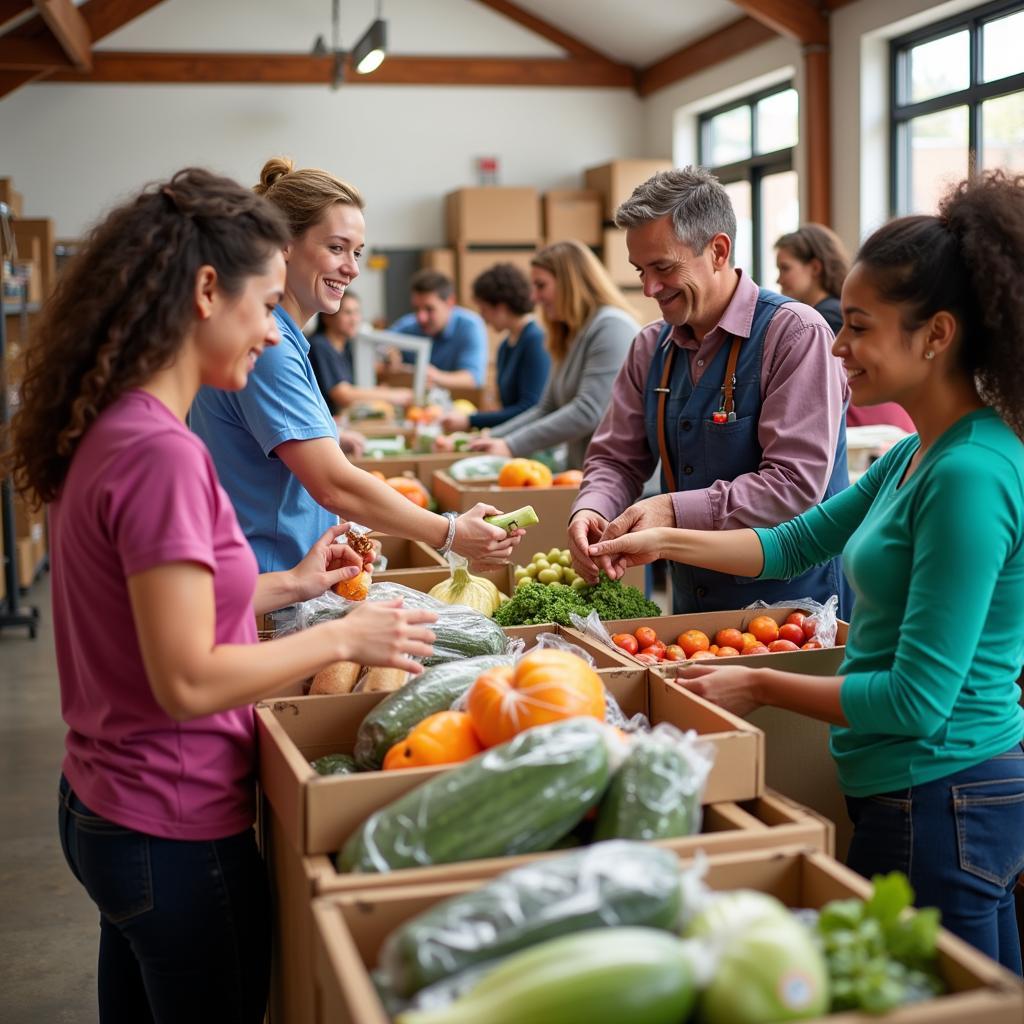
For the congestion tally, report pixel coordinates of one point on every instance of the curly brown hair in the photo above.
(817, 242)
(966, 261)
(504, 283)
(124, 306)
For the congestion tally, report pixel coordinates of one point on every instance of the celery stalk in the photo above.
(510, 521)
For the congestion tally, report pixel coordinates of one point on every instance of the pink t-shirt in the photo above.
(142, 492)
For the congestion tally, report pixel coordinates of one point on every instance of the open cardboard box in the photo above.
(351, 928)
(422, 467)
(824, 662)
(404, 554)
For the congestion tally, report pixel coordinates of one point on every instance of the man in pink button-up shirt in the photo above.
(706, 300)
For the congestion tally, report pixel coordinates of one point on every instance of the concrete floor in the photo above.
(50, 929)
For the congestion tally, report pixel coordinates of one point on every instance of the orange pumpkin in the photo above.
(524, 473)
(443, 738)
(378, 474)
(411, 488)
(544, 686)
(354, 589)
(570, 478)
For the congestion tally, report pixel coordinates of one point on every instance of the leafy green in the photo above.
(534, 603)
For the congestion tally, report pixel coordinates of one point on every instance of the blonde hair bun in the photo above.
(273, 170)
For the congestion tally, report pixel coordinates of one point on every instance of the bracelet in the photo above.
(452, 517)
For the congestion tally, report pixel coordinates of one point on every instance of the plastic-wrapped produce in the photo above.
(657, 792)
(607, 885)
(519, 797)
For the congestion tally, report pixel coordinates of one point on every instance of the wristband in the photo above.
(452, 517)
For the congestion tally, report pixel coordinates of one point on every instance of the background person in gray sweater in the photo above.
(589, 328)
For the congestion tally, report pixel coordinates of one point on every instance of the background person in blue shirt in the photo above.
(505, 301)
(458, 357)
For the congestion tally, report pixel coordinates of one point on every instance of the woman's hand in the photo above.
(402, 397)
(622, 553)
(444, 443)
(352, 443)
(452, 421)
(486, 546)
(490, 445)
(730, 687)
(327, 563)
(385, 633)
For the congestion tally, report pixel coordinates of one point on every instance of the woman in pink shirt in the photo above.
(155, 589)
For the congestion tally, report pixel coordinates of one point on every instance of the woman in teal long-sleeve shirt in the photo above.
(926, 715)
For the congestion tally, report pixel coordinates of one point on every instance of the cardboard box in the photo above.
(351, 928)
(615, 258)
(35, 241)
(644, 309)
(493, 216)
(824, 662)
(473, 262)
(319, 813)
(402, 553)
(573, 213)
(10, 196)
(384, 428)
(422, 467)
(616, 180)
(442, 260)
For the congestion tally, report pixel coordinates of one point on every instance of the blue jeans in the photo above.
(960, 841)
(184, 925)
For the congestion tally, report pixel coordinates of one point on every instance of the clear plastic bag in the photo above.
(593, 628)
(826, 616)
(602, 886)
(657, 792)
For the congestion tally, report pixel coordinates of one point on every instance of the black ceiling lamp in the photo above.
(367, 55)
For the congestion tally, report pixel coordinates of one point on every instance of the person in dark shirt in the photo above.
(503, 296)
(812, 266)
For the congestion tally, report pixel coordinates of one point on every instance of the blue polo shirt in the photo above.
(462, 345)
(281, 402)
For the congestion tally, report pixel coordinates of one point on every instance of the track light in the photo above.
(368, 54)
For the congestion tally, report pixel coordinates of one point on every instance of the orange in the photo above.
(765, 628)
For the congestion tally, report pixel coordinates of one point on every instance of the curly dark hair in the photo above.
(124, 306)
(816, 242)
(967, 261)
(504, 284)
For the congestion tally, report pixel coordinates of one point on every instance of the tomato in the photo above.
(729, 638)
(693, 640)
(755, 649)
(626, 641)
(795, 618)
(657, 648)
(727, 652)
(645, 636)
(811, 645)
(792, 632)
(764, 627)
(776, 646)
(674, 653)
(748, 639)
(713, 648)
(701, 656)
(647, 659)
(810, 627)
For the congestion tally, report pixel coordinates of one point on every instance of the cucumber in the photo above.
(519, 797)
(461, 632)
(604, 976)
(335, 764)
(654, 795)
(610, 884)
(395, 716)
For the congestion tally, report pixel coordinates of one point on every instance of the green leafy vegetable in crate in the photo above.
(534, 603)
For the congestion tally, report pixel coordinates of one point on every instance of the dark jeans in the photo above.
(960, 841)
(184, 925)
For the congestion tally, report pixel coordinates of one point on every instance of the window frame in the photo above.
(976, 93)
(754, 168)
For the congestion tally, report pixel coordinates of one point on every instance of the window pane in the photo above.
(729, 137)
(1002, 129)
(780, 212)
(938, 156)
(940, 67)
(739, 193)
(777, 121)
(1003, 43)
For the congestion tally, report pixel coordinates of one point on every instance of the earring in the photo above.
(930, 354)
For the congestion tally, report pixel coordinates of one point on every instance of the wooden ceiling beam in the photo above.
(305, 69)
(712, 49)
(801, 20)
(69, 28)
(539, 27)
(12, 8)
(40, 53)
(11, 80)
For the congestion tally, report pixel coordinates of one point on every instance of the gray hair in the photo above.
(700, 208)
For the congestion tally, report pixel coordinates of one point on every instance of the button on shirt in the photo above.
(462, 345)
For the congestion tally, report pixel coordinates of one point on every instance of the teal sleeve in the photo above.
(953, 575)
(821, 533)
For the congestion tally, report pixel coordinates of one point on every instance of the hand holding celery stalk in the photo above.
(517, 520)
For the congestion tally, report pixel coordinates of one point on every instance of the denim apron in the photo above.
(702, 452)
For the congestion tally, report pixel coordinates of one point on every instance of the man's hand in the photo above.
(489, 445)
(643, 515)
(586, 528)
(351, 443)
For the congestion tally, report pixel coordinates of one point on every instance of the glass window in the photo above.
(777, 121)
(781, 200)
(740, 194)
(1003, 47)
(939, 67)
(938, 156)
(729, 136)
(1002, 132)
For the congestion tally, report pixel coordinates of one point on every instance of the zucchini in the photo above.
(434, 690)
(610, 884)
(655, 794)
(335, 764)
(603, 976)
(519, 797)
(461, 632)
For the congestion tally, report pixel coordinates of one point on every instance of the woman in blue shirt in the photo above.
(503, 296)
(926, 715)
